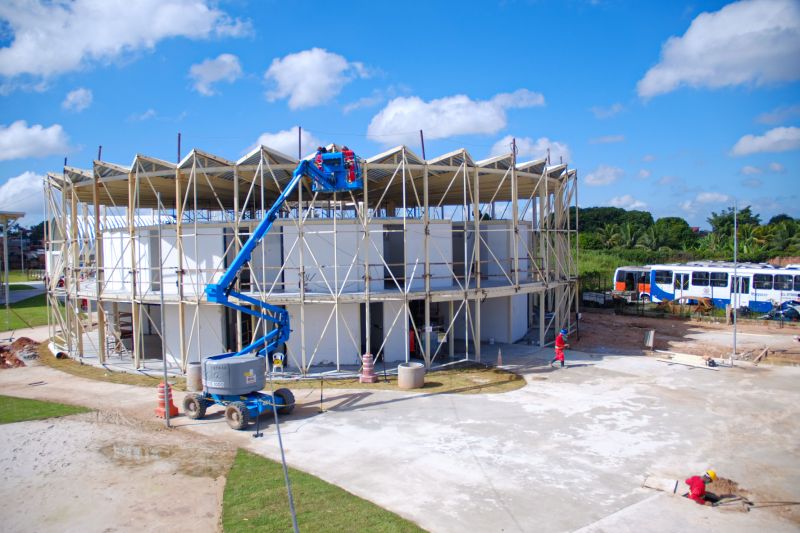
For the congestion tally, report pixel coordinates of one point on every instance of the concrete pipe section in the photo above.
(410, 375)
(194, 377)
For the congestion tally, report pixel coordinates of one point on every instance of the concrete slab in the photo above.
(568, 451)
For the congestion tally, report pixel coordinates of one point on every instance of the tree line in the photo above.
(625, 232)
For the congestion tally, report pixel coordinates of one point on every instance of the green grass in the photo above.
(19, 287)
(255, 500)
(27, 313)
(16, 276)
(21, 409)
(463, 380)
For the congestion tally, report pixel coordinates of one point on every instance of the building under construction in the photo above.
(430, 260)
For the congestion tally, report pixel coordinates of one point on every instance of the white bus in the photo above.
(760, 286)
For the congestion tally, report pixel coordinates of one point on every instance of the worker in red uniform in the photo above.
(561, 344)
(349, 163)
(697, 488)
(318, 157)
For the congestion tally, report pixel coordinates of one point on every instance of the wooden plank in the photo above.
(670, 361)
(663, 484)
(761, 356)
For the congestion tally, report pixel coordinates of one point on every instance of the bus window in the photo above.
(625, 280)
(744, 285)
(719, 279)
(797, 283)
(762, 281)
(783, 282)
(681, 282)
(700, 279)
(664, 277)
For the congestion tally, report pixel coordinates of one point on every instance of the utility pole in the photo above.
(737, 284)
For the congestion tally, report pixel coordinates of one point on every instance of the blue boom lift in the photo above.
(235, 379)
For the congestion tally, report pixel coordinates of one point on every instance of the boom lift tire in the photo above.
(237, 416)
(194, 406)
(288, 401)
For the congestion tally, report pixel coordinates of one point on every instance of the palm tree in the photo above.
(627, 235)
(712, 244)
(609, 235)
(651, 239)
(781, 234)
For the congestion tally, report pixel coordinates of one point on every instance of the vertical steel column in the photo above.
(98, 270)
(542, 186)
(236, 247)
(66, 261)
(184, 356)
(133, 193)
(336, 277)
(367, 277)
(426, 223)
(476, 209)
(561, 306)
(75, 258)
(302, 241)
(405, 266)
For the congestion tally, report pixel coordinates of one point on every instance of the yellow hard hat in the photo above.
(711, 475)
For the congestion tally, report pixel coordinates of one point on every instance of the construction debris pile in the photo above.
(15, 354)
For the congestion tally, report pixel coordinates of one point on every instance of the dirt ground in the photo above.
(605, 332)
(131, 475)
(12, 355)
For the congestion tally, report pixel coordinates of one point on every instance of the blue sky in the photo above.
(674, 108)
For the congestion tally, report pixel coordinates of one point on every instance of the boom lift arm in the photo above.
(331, 172)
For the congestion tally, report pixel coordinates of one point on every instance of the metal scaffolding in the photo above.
(433, 241)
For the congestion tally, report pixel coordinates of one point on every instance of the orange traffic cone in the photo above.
(161, 409)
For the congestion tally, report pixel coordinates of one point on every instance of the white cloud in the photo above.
(147, 115)
(519, 99)
(285, 141)
(668, 180)
(528, 148)
(367, 101)
(77, 100)
(604, 175)
(225, 67)
(18, 140)
(403, 117)
(51, 38)
(607, 139)
(692, 206)
(648, 158)
(377, 97)
(311, 77)
(777, 168)
(627, 202)
(644, 173)
(606, 112)
(753, 183)
(749, 42)
(775, 140)
(749, 170)
(779, 114)
(24, 193)
(712, 197)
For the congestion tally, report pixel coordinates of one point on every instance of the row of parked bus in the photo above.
(759, 287)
